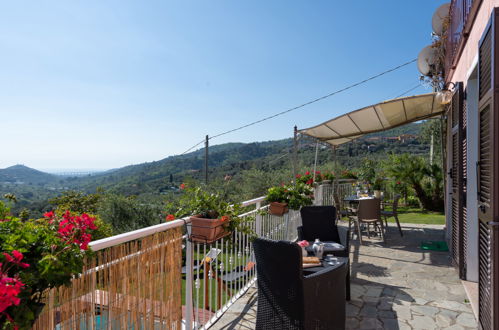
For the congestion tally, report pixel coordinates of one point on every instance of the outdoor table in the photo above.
(326, 265)
(355, 199)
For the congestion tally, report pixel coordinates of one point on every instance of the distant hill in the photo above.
(153, 179)
(20, 174)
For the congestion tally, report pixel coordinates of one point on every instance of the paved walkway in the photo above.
(395, 285)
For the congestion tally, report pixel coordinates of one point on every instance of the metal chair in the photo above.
(393, 212)
(369, 213)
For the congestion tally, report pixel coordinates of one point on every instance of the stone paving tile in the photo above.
(395, 285)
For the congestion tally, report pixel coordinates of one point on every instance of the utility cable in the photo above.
(315, 100)
(305, 104)
(407, 91)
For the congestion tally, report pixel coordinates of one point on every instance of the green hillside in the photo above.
(20, 174)
(261, 163)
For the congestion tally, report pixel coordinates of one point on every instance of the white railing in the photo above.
(212, 284)
(324, 194)
(230, 271)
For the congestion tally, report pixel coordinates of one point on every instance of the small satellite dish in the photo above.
(437, 21)
(426, 59)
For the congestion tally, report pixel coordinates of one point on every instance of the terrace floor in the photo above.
(395, 285)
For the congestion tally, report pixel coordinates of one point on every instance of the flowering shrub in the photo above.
(170, 217)
(307, 178)
(38, 255)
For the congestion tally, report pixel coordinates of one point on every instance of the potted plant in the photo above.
(346, 174)
(283, 197)
(328, 177)
(211, 216)
(377, 186)
(278, 198)
(37, 255)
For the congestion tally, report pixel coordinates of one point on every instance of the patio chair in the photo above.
(393, 212)
(369, 213)
(341, 211)
(319, 222)
(289, 300)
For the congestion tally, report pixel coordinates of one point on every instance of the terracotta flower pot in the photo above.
(277, 208)
(206, 230)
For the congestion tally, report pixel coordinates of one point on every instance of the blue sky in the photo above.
(103, 84)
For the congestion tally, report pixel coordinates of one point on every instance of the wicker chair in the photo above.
(289, 300)
(369, 213)
(393, 212)
(319, 222)
(341, 211)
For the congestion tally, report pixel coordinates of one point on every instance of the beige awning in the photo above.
(376, 118)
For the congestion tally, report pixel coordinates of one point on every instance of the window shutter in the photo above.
(456, 131)
(487, 176)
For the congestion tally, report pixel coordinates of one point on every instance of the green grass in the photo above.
(415, 215)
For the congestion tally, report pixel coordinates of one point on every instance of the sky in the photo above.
(104, 84)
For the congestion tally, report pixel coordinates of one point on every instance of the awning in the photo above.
(376, 118)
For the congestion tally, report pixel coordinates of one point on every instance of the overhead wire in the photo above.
(305, 104)
(315, 100)
(407, 91)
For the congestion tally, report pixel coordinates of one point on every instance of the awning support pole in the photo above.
(206, 146)
(295, 153)
(315, 162)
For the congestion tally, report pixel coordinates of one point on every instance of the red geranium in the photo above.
(182, 186)
(224, 218)
(170, 217)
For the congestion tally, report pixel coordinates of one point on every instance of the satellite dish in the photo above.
(426, 58)
(437, 21)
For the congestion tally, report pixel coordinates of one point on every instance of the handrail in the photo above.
(253, 201)
(136, 234)
(143, 232)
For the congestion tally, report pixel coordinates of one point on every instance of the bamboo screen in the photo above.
(134, 285)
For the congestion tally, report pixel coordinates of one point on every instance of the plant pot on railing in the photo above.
(204, 230)
(276, 208)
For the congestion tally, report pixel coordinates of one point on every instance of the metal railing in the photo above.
(125, 282)
(459, 13)
(324, 194)
(225, 270)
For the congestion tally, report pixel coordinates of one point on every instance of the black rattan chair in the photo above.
(319, 222)
(289, 300)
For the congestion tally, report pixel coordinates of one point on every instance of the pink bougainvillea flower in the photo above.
(49, 215)
(170, 217)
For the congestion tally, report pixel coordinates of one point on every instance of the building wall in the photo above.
(470, 51)
(466, 72)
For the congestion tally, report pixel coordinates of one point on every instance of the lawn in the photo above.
(415, 215)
